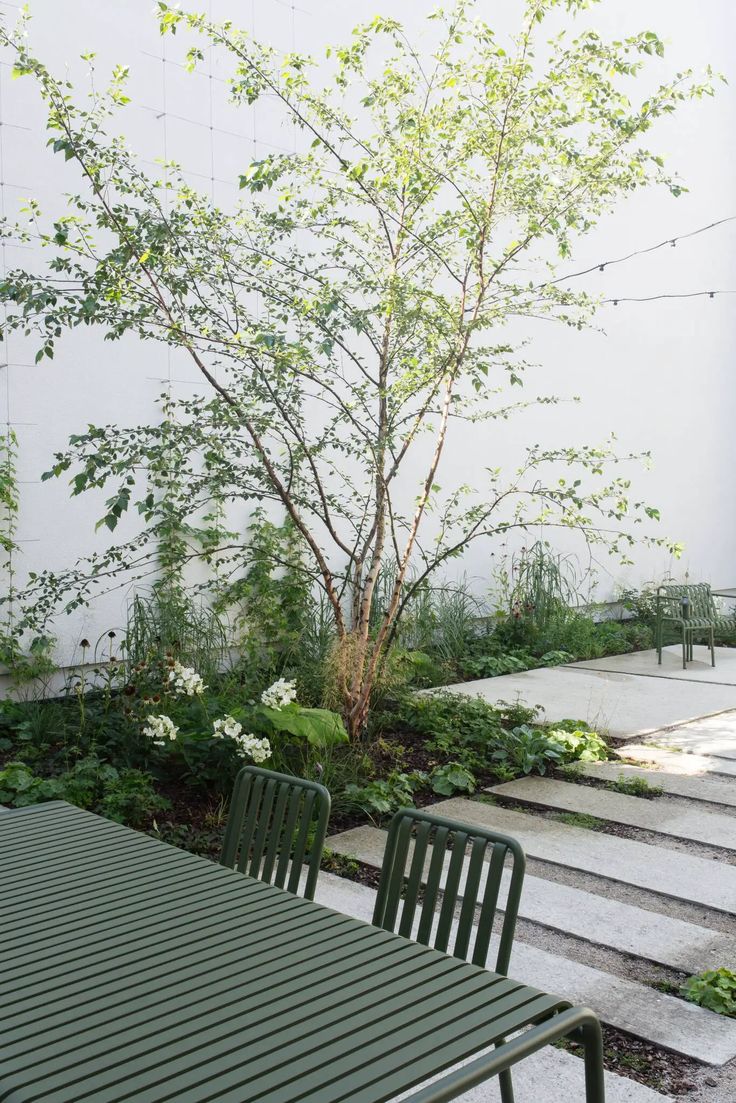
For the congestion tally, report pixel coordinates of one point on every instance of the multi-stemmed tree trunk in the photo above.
(352, 306)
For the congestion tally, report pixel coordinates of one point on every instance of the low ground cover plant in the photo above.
(714, 989)
(635, 787)
(125, 795)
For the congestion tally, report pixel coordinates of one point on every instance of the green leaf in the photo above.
(320, 727)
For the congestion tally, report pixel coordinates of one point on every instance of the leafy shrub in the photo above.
(493, 666)
(502, 738)
(452, 717)
(20, 787)
(615, 637)
(130, 798)
(385, 795)
(714, 989)
(126, 795)
(423, 670)
(635, 787)
(555, 658)
(511, 662)
(642, 603)
(452, 778)
(526, 750)
(640, 636)
(463, 729)
(579, 745)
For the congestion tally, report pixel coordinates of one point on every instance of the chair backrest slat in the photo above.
(253, 799)
(450, 890)
(262, 827)
(301, 841)
(670, 596)
(455, 862)
(473, 876)
(490, 903)
(416, 871)
(433, 884)
(276, 826)
(274, 843)
(292, 816)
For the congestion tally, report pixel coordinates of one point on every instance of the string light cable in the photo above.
(671, 242)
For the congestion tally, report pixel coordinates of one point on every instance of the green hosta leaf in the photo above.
(452, 778)
(320, 727)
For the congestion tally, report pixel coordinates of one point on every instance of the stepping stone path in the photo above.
(695, 766)
(674, 762)
(661, 817)
(713, 735)
(691, 786)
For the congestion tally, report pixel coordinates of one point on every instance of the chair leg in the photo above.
(595, 1088)
(659, 644)
(712, 648)
(506, 1087)
(684, 649)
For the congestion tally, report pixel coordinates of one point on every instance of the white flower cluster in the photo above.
(227, 726)
(159, 729)
(248, 745)
(185, 680)
(279, 694)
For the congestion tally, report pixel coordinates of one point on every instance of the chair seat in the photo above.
(693, 622)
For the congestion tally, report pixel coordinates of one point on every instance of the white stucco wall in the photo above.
(661, 375)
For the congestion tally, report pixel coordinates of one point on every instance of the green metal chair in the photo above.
(276, 827)
(474, 859)
(691, 612)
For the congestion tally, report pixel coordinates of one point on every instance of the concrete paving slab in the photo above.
(668, 872)
(562, 1077)
(596, 919)
(664, 817)
(621, 704)
(627, 1005)
(710, 735)
(691, 786)
(644, 663)
(675, 762)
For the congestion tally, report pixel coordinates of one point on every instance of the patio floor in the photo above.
(626, 695)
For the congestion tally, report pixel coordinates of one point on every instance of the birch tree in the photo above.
(356, 301)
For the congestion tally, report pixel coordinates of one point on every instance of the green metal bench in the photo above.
(691, 612)
(133, 970)
(276, 826)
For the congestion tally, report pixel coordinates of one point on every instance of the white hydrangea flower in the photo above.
(186, 680)
(159, 729)
(279, 694)
(250, 746)
(228, 727)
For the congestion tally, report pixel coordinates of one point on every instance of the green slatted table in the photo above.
(131, 970)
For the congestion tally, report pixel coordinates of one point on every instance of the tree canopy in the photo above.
(353, 303)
